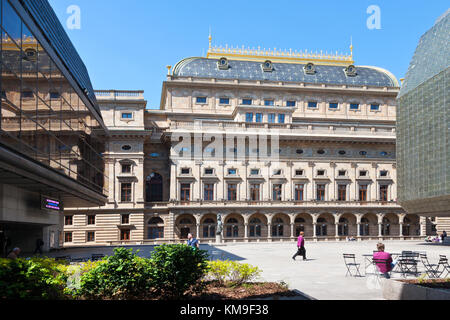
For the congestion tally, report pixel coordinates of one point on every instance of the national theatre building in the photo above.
(276, 142)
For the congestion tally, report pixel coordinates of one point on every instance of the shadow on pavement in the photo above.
(215, 253)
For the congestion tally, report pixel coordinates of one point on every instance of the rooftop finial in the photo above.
(351, 46)
(210, 39)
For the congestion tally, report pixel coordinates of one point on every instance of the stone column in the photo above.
(269, 232)
(336, 235)
(423, 226)
(401, 229)
(292, 231)
(246, 232)
(314, 230)
(198, 231)
(380, 226)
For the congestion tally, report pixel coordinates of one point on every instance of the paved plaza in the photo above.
(323, 276)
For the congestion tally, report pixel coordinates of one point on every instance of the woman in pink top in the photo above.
(301, 247)
(386, 267)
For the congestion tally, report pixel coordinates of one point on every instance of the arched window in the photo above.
(209, 228)
(386, 227)
(232, 228)
(154, 188)
(277, 227)
(186, 221)
(156, 228)
(321, 227)
(255, 227)
(364, 228)
(343, 227)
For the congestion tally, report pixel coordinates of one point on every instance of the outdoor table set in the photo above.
(406, 263)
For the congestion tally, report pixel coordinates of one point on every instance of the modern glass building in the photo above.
(52, 135)
(423, 117)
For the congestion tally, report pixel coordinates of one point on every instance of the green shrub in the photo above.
(177, 269)
(234, 272)
(33, 279)
(121, 276)
(219, 270)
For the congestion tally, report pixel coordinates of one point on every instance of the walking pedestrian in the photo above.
(301, 247)
(14, 254)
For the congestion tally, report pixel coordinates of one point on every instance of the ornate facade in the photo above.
(276, 142)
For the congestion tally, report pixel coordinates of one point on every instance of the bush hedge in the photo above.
(234, 272)
(177, 269)
(33, 279)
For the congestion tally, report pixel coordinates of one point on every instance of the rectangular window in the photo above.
(127, 115)
(276, 192)
(185, 171)
(272, 117)
(125, 219)
(320, 192)
(209, 171)
(259, 117)
(320, 172)
(55, 95)
(126, 168)
(363, 173)
(299, 192)
(185, 192)
(291, 103)
(362, 192)
(299, 172)
(125, 192)
(209, 192)
(27, 94)
(224, 101)
(254, 192)
(91, 236)
(201, 100)
(249, 117)
(383, 173)
(342, 192)
(374, 107)
(125, 235)
(247, 102)
(91, 220)
(68, 220)
(383, 193)
(254, 172)
(281, 118)
(354, 106)
(277, 172)
(67, 237)
(232, 192)
(268, 103)
(312, 105)
(232, 172)
(334, 105)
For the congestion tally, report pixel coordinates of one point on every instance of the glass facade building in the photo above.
(423, 123)
(43, 116)
(52, 135)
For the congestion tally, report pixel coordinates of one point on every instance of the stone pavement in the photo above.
(321, 277)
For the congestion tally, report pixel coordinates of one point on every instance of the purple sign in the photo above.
(51, 204)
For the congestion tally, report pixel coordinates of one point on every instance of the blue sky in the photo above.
(127, 45)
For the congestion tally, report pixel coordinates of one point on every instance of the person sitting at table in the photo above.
(384, 268)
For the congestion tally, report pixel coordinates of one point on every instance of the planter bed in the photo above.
(438, 289)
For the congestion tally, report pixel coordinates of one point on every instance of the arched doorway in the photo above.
(411, 225)
(369, 225)
(255, 225)
(154, 188)
(323, 223)
(185, 225)
(155, 228)
(386, 227)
